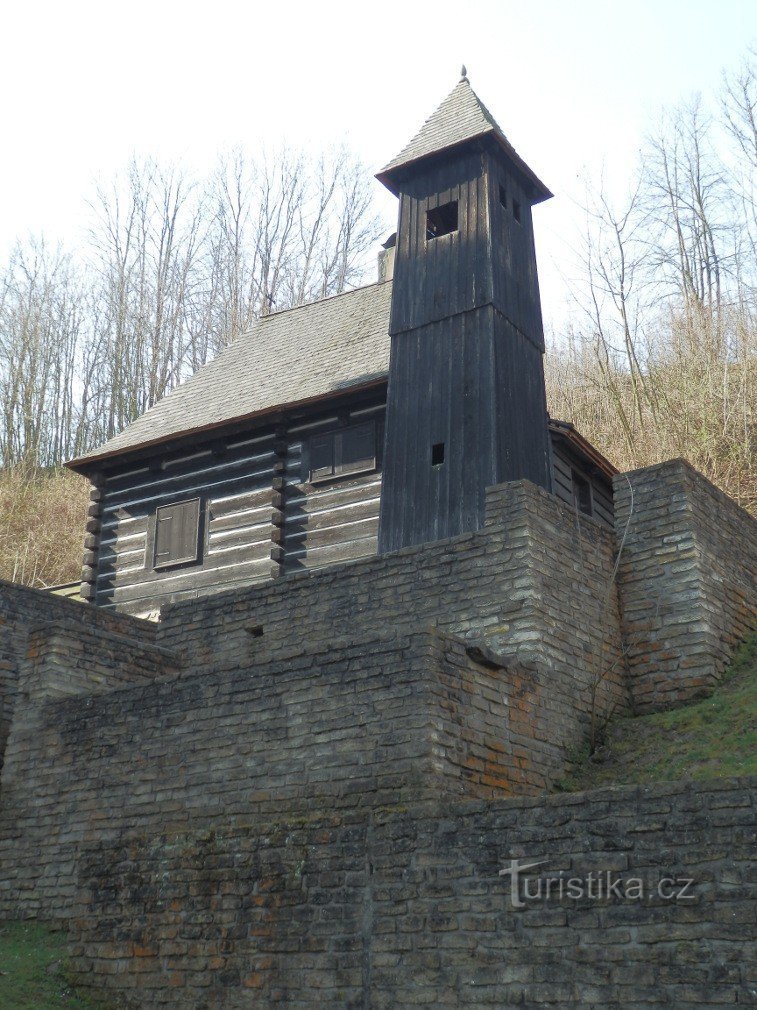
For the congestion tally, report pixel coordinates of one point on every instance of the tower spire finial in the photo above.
(463, 73)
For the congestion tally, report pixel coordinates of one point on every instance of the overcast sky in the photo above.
(574, 84)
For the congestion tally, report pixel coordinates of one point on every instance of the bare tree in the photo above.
(41, 329)
(146, 242)
(172, 271)
(668, 342)
(286, 230)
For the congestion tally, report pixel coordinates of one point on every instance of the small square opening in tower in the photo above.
(441, 220)
(503, 196)
(437, 454)
(516, 211)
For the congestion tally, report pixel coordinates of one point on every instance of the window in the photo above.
(342, 452)
(581, 493)
(516, 211)
(177, 533)
(503, 196)
(441, 220)
(321, 457)
(437, 454)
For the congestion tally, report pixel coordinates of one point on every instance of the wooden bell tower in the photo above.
(466, 402)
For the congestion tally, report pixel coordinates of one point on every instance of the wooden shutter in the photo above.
(177, 533)
(356, 449)
(321, 456)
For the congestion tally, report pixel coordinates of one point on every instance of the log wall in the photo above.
(333, 521)
(260, 515)
(565, 460)
(235, 486)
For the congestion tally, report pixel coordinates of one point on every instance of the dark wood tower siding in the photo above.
(466, 367)
(438, 278)
(516, 281)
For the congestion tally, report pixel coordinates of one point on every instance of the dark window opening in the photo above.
(516, 211)
(503, 196)
(582, 493)
(437, 454)
(321, 457)
(342, 452)
(177, 533)
(356, 449)
(254, 630)
(441, 220)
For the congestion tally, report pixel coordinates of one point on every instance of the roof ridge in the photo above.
(299, 357)
(485, 110)
(317, 301)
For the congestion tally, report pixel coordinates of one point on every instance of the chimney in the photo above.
(386, 258)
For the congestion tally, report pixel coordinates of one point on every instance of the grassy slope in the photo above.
(31, 976)
(41, 526)
(712, 738)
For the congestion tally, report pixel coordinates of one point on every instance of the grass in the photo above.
(32, 971)
(712, 738)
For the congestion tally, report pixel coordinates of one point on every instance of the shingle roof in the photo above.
(286, 358)
(461, 117)
(298, 355)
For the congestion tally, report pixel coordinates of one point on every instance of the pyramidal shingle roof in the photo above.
(461, 117)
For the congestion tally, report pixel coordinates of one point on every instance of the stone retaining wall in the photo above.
(382, 723)
(535, 585)
(355, 910)
(292, 794)
(687, 580)
(21, 609)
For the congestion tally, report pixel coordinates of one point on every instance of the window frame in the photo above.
(577, 476)
(338, 471)
(430, 237)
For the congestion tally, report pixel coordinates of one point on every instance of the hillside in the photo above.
(42, 517)
(712, 738)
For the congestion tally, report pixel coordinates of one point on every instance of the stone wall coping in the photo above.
(80, 613)
(681, 464)
(66, 627)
